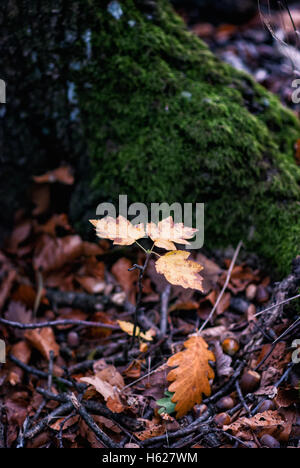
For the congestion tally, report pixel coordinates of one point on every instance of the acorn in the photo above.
(226, 403)
(230, 346)
(251, 291)
(250, 444)
(73, 339)
(269, 441)
(266, 405)
(222, 419)
(262, 294)
(250, 381)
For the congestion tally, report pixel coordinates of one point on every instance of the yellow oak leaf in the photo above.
(119, 230)
(128, 328)
(190, 378)
(178, 270)
(166, 232)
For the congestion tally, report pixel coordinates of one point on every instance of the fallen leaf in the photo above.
(133, 371)
(180, 271)
(127, 279)
(108, 382)
(268, 422)
(166, 232)
(20, 233)
(119, 230)
(17, 312)
(21, 351)
(40, 197)
(52, 254)
(153, 431)
(62, 174)
(128, 328)
(6, 286)
(223, 361)
(111, 425)
(57, 220)
(26, 294)
(56, 426)
(192, 374)
(43, 340)
(90, 284)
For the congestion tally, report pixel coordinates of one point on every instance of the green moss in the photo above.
(167, 121)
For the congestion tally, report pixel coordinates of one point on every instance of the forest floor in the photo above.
(73, 376)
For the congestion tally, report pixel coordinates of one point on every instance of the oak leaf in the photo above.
(191, 376)
(119, 230)
(128, 328)
(178, 270)
(166, 232)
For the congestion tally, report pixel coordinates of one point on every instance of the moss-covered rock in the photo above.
(167, 121)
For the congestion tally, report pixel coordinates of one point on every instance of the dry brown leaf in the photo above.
(62, 174)
(153, 430)
(119, 230)
(56, 426)
(21, 351)
(40, 197)
(178, 270)
(223, 361)
(52, 254)
(90, 284)
(57, 220)
(104, 388)
(108, 382)
(133, 371)
(127, 279)
(191, 376)
(43, 340)
(268, 422)
(166, 232)
(128, 328)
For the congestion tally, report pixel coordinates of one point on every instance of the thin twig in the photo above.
(241, 398)
(142, 270)
(56, 323)
(164, 309)
(237, 250)
(276, 305)
(41, 374)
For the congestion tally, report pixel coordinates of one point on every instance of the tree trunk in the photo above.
(144, 109)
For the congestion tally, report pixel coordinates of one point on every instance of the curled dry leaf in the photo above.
(119, 230)
(178, 270)
(128, 328)
(153, 430)
(43, 340)
(223, 361)
(108, 382)
(191, 376)
(269, 422)
(166, 232)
